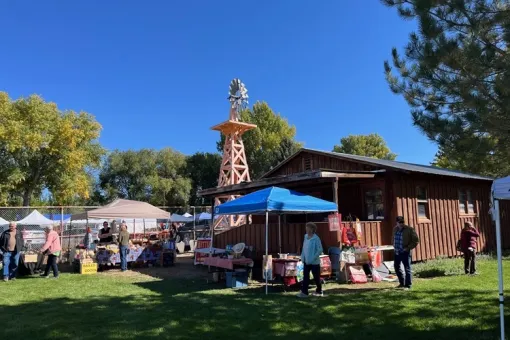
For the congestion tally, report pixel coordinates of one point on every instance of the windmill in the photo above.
(234, 167)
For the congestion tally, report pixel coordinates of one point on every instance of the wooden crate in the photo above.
(88, 268)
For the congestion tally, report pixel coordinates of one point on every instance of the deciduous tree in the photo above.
(158, 177)
(42, 147)
(203, 170)
(371, 145)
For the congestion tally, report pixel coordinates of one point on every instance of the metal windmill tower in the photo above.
(234, 167)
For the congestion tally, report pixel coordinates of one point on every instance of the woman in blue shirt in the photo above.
(310, 256)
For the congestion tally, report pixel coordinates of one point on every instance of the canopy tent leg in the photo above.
(279, 234)
(144, 227)
(500, 269)
(211, 231)
(194, 226)
(267, 249)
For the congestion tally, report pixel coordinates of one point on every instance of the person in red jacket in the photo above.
(468, 240)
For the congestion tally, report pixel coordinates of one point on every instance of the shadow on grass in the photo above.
(191, 310)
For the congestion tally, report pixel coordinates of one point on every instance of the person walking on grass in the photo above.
(405, 240)
(310, 256)
(468, 242)
(52, 248)
(11, 244)
(123, 246)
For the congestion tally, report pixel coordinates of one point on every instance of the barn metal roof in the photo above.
(395, 165)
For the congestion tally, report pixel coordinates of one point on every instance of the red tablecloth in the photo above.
(226, 263)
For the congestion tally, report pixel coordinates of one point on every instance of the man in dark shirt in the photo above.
(11, 244)
(105, 234)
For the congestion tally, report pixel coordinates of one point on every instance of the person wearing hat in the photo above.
(405, 240)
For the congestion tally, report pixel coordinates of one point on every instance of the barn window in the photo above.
(374, 204)
(423, 202)
(466, 202)
(307, 163)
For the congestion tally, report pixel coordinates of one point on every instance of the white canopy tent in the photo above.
(138, 216)
(35, 218)
(500, 191)
(3, 222)
(124, 209)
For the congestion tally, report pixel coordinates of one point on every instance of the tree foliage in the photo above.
(203, 169)
(42, 147)
(270, 143)
(371, 145)
(157, 177)
(455, 76)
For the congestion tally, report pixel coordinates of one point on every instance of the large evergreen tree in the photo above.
(455, 76)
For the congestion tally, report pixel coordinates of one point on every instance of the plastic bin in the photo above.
(237, 279)
(334, 256)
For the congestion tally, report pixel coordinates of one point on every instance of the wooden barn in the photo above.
(435, 201)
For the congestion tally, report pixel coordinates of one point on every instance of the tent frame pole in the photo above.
(211, 230)
(279, 233)
(267, 249)
(500, 269)
(194, 225)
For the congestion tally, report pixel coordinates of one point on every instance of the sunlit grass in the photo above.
(139, 306)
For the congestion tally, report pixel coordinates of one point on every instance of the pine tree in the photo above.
(455, 76)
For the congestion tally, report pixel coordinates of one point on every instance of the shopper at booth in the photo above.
(105, 234)
(11, 244)
(123, 246)
(52, 248)
(405, 240)
(310, 255)
(468, 241)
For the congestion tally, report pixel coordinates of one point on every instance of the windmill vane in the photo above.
(238, 96)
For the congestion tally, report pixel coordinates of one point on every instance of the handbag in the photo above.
(459, 245)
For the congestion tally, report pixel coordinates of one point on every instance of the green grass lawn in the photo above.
(137, 306)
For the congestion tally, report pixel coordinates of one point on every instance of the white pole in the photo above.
(500, 271)
(211, 231)
(267, 248)
(194, 233)
(279, 233)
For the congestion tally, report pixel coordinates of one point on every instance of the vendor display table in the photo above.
(291, 270)
(228, 264)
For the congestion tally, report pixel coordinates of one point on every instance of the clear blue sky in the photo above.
(156, 73)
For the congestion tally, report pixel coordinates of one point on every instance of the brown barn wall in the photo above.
(440, 232)
(317, 162)
(292, 236)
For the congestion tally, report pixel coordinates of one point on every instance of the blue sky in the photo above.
(156, 73)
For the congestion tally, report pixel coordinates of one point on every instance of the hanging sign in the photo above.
(334, 222)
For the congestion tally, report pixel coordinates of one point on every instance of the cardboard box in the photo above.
(30, 258)
(88, 268)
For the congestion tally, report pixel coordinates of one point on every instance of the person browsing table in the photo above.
(11, 244)
(123, 246)
(312, 250)
(52, 248)
(105, 234)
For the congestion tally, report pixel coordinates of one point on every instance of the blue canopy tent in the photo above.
(176, 218)
(203, 216)
(274, 200)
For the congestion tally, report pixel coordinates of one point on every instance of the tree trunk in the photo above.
(27, 197)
